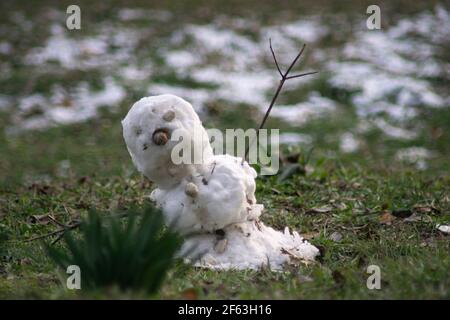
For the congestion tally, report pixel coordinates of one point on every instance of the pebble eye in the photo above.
(169, 116)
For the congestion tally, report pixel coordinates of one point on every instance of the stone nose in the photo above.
(161, 136)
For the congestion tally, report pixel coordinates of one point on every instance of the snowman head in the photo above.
(152, 129)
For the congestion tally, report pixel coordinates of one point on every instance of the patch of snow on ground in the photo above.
(393, 131)
(349, 143)
(386, 70)
(292, 138)
(86, 53)
(39, 112)
(415, 155)
(181, 59)
(132, 14)
(302, 112)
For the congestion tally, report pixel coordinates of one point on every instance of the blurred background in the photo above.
(380, 100)
(366, 141)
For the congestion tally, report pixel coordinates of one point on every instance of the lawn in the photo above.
(372, 180)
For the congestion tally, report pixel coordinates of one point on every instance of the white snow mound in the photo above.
(213, 201)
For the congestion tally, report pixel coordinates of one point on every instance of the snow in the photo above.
(131, 14)
(349, 143)
(415, 155)
(291, 138)
(64, 107)
(303, 112)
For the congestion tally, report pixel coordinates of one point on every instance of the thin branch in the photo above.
(57, 232)
(302, 75)
(60, 232)
(56, 221)
(275, 58)
(284, 78)
(295, 60)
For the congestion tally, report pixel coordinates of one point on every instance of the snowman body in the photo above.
(211, 200)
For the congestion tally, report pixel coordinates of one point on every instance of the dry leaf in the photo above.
(310, 235)
(386, 218)
(426, 209)
(324, 209)
(413, 218)
(190, 294)
(340, 206)
(39, 219)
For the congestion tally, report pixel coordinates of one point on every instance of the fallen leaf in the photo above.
(310, 235)
(190, 294)
(275, 190)
(304, 279)
(413, 218)
(426, 209)
(387, 218)
(324, 209)
(340, 206)
(25, 261)
(39, 219)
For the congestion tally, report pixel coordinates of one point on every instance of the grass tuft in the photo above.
(135, 254)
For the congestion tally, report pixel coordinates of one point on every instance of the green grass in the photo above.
(357, 188)
(413, 256)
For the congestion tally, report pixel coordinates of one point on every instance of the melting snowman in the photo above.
(212, 200)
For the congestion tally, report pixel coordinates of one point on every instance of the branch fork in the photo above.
(284, 77)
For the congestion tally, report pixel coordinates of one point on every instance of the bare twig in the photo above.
(301, 75)
(275, 58)
(60, 232)
(56, 221)
(56, 232)
(284, 77)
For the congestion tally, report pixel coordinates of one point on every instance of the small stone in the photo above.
(191, 190)
(221, 245)
(169, 116)
(336, 236)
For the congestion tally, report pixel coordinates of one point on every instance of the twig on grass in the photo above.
(60, 232)
(284, 77)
